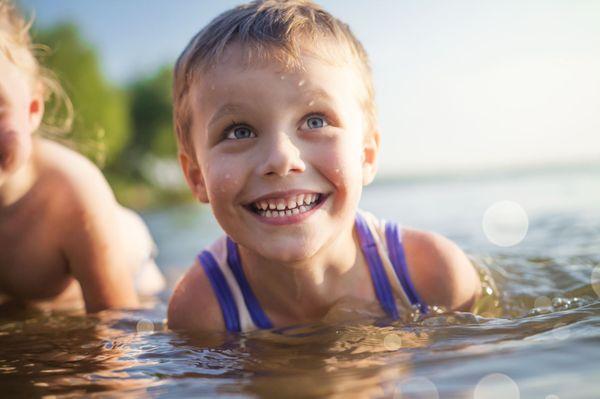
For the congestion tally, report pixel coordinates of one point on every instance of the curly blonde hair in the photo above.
(268, 30)
(16, 45)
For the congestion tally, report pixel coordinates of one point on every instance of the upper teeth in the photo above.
(282, 204)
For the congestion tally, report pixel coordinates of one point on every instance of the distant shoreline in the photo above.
(489, 173)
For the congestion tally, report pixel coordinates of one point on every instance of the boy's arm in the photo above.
(92, 243)
(193, 306)
(441, 272)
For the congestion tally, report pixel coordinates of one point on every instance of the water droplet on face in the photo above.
(496, 386)
(505, 223)
(301, 83)
(310, 104)
(145, 326)
(392, 342)
(417, 387)
(282, 77)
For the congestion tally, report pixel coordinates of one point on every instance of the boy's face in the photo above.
(20, 115)
(295, 141)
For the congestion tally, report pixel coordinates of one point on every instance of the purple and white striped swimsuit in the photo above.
(381, 244)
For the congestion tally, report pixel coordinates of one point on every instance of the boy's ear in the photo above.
(370, 154)
(193, 176)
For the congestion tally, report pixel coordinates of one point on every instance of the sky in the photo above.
(462, 85)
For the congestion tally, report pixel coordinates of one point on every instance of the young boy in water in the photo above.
(275, 119)
(63, 237)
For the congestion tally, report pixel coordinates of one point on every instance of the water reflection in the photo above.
(536, 324)
(68, 352)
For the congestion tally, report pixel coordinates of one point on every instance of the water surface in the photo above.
(535, 335)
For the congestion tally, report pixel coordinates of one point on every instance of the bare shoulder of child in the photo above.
(440, 270)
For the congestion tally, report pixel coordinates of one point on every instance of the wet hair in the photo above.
(17, 47)
(268, 30)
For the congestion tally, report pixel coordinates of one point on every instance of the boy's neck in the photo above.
(307, 290)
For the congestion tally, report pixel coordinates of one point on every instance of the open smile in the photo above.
(287, 208)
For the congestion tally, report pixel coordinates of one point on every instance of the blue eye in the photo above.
(239, 133)
(315, 122)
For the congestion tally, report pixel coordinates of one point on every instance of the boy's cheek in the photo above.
(222, 180)
(341, 167)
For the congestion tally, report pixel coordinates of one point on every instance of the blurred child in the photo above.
(276, 124)
(63, 237)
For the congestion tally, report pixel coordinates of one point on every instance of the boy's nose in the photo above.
(282, 157)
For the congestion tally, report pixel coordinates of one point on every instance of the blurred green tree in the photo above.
(151, 112)
(101, 128)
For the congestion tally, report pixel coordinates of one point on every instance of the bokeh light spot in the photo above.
(416, 388)
(392, 342)
(496, 386)
(505, 223)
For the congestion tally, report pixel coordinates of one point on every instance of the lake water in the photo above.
(536, 334)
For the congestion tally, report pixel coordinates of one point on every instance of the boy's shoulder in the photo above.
(193, 305)
(441, 272)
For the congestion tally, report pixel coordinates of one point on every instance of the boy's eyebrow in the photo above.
(225, 110)
(234, 108)
(316, 93)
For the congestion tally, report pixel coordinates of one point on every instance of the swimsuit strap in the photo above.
(396, 251)
(222, 291)
(382, 286)
(257, 314)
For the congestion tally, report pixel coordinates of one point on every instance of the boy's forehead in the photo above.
(237, 71)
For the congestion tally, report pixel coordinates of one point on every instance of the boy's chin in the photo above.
(288, 251)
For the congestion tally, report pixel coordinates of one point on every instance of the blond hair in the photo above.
(17, 47)
(267, 29)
